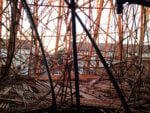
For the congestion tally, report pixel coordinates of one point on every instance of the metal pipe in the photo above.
(140, 2)
(109, 72)
(75, 54)
(26, 7)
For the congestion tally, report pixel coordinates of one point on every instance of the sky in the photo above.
(48, 19)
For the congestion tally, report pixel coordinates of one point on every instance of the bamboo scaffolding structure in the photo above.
(47, 60)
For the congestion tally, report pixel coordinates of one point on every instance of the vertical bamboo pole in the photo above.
(96, 35)
(75, 55)
(109, 16)
(141, 35)
(1, 9)
(120, 42)
(30, 59)
(59, 21)
(35, 17)
(13, 34)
